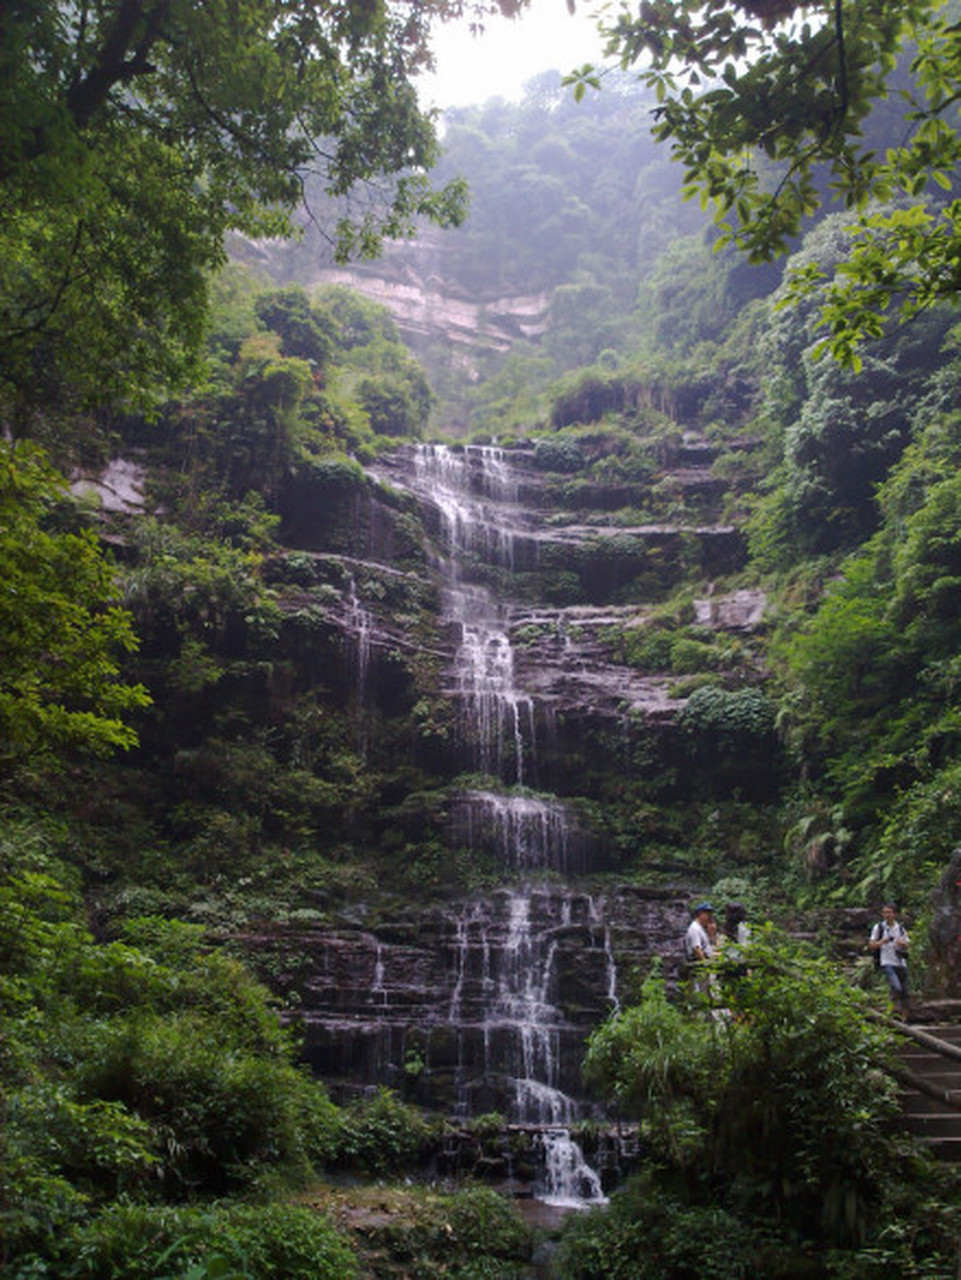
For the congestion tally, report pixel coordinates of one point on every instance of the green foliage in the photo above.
(847, 657)
(558, 453)
(920, 833)
(473, 1233)
(729, 739)
(294, 381)
(242, 1242)
(62, 629)
(305, 333)
(381, 1135)
(872, 672)
(141, 1073)
(777, 1108)
(590, 397)
(841, 432)
(486, 1226)
(734, 79)
(371, 365)
(190, 585)
(127, 157)
(646, 1234)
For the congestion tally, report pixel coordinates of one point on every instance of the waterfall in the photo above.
(568, 1180)
(522, 833)
(359, 624)
(359, 628)
(610, 964)
(498, 721)
(509, 1031)
(522, 1004)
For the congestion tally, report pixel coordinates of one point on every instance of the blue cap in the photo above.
(703, 906)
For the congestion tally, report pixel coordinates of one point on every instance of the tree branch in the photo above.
(124, 56)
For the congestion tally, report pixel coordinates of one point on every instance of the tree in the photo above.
(62, 632)
(766, 103)
(778, 1110)
(134, 134)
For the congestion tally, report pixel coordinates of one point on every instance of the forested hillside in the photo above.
(336, 659)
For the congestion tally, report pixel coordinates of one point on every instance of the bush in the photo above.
(784, 1099)
(689, 656)
(646, 1234)
(559, 454)
(226, 1113)
(484, 1223)
(381, 1135)
(247, 1242)
(729, 717)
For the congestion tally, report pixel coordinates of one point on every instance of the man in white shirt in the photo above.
(889, 939)
(697, 943)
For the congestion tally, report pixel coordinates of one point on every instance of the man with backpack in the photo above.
(889, 942)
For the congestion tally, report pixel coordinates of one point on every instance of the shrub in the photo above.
(785, 1099)
(646, 1234)
(689, 656)
(225, 1112)
(381, 1134)
(558, 453)
(245, 1242)
(729, 717)
(100, 1146)
(483, 1222)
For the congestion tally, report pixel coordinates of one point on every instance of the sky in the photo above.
(471, 69)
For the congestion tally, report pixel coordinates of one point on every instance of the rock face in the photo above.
(436, 585)
(118, 488)
(479, 1006)
(476, 622)
(945, 932)
(422, 306)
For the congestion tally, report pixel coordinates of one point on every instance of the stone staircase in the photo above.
(930, 1079)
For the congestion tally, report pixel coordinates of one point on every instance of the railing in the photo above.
(950, 1098)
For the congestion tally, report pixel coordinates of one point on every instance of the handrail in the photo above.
(950, 1098)
(943, 1047)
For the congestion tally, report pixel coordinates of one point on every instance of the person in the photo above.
(736, 928)
(697, 940)
(737, 935)
(713, 941)
(889, 940)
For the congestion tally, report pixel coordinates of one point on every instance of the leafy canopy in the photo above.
(62, 630)
(767, 102)
(778, 1104)
(134, 134)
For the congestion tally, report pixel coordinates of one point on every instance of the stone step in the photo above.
(914, 1103)
(935, 1124)
(926, 1062)
(950, 1031)
(945, 1125)
(946, 1149)
(945, 1080)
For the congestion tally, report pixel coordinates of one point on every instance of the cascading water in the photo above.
(568, 1180)
(497, 721)
(473, 490)
(470, 490)
(522, 833)
(359, 628)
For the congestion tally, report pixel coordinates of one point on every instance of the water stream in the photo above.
(506, 991)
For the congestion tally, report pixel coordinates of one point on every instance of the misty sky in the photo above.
(499, 63)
